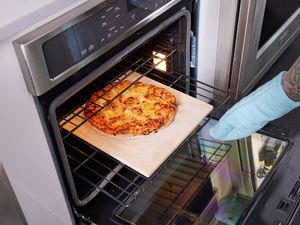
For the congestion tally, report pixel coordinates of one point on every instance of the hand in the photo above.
(253, 112)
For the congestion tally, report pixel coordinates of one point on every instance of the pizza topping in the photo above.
(140, 110)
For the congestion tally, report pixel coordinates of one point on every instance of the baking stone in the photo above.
(145, 153)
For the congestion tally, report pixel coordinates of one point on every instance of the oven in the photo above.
(201, 181)
(265, 29)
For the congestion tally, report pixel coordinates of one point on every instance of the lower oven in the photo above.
(65, 61)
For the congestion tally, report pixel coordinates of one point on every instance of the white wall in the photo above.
(20, 8)
(208, 31)
(207, 42)
(216, 32)
(16, 15)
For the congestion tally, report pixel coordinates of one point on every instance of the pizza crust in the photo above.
(140, 110)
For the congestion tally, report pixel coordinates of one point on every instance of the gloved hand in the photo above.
(253, 112)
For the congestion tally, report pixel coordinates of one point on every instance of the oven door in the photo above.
(277, 198)
(208, 182)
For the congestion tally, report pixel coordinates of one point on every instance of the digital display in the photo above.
(68, 48)
(83, 39)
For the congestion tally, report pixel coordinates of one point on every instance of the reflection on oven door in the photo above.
(206, 183)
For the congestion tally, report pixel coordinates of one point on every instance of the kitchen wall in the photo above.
(215, 41)
(16, 15)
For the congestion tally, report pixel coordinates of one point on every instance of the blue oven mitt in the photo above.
(253, 112)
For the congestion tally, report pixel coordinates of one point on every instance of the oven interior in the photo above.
(203, 181)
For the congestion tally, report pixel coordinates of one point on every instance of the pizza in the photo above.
(141, 109)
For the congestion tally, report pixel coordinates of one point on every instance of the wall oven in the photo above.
(68, 59)
(264, 30)
(202, 181)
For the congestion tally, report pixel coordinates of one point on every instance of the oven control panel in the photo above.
(96, 33)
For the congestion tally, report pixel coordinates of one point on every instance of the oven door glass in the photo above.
(207, 182)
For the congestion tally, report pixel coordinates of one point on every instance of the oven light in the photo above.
(159, 60)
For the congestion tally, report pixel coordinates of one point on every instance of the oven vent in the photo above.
(284, 206)
(294, 194)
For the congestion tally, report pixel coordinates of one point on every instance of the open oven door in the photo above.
(250, 165)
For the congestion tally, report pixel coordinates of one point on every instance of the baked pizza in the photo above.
(140, 110)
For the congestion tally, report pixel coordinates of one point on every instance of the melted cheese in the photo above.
(141, 109)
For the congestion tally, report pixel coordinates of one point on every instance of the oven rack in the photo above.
(95, 172)
(168, 195)
(144, 62)
(115, 78)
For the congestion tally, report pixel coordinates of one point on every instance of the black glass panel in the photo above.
(277, 12)
(96, 32)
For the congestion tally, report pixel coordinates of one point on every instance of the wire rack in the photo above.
(143, 62)
(166, 199)
(95, 172)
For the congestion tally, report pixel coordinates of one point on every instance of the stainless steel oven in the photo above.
(203, 181)
(264, 31)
